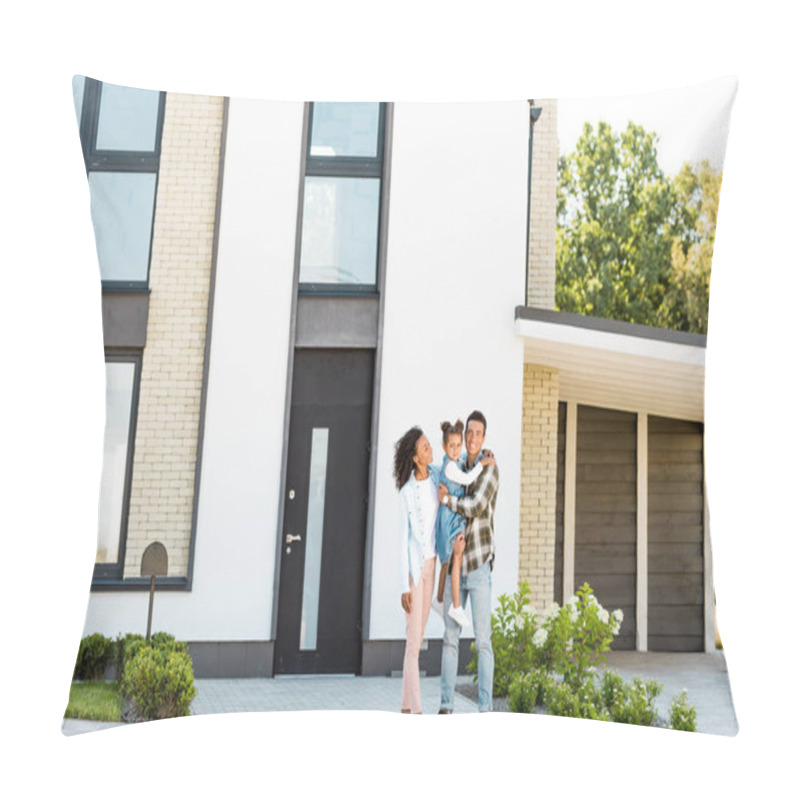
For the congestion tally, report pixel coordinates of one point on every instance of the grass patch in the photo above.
(95, 700)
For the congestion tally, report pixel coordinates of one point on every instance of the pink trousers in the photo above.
(421, 596)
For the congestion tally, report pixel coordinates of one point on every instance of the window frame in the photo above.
(113, 570)
(346, 167)
(125, 161)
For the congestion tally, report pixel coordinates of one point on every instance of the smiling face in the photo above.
(453, 446)
(476, 433)
(423, 454)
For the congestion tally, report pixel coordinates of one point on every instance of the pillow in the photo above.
(288, 288)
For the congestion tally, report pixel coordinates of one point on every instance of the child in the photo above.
(449, 524)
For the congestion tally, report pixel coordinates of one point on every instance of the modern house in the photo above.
(289, 287)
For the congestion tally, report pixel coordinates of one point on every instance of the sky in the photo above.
(691, 122)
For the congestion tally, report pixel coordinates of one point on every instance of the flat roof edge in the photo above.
(610, 326)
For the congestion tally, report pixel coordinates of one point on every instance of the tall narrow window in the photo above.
(309, 613)
(121, 400)
(120, 130)
(341, 198)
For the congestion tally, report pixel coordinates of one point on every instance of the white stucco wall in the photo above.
(232, 591)
(455, 272)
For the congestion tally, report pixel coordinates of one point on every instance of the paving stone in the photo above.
(703, 675)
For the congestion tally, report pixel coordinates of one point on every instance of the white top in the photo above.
(427, 506)
(462, 478)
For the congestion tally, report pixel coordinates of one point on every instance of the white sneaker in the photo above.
(437, 606)
(458, 615)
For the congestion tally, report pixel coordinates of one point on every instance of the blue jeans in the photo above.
(477, 587)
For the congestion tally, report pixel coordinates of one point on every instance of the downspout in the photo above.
(535, 114)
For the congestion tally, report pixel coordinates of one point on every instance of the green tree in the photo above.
(631, 243)
(686, 301)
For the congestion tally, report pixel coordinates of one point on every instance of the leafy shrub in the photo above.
(579, 635)
(635, 704)
(525, 692)
(125, 647)
(610, 698)
(562, 700)
(682, 716)
(158, 681)
(571, 641)
(612, 688)
(128, 645)
(513, 629)
(163, 639)
(94, 654)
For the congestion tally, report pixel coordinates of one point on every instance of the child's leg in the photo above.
(442, 579)
(455, 578)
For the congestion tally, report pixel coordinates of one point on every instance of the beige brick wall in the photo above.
(172, 368)
(542, 239)
(538, 482)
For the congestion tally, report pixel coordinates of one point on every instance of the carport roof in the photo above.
(616, 364)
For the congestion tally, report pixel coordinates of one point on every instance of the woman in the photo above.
(417, 482)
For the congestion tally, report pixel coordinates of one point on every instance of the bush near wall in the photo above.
(552, 663)
(125, 646)
(158, 682)
(129, 644)
(94, 654)
(156, 679)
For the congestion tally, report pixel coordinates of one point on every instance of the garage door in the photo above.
(675, 535)
(605, 512)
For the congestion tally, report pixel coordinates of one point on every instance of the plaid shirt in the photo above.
(478, 507)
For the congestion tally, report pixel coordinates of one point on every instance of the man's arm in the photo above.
(485, 490)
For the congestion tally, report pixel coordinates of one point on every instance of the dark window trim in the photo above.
(118, 162)
(114, 570)
(90, 120)
(347, 167)
(383, 239)
(136, 286)
(139, 584)
(133, 161)
(287, 402)
(346, 162)
(125, 287)
(342, 167)
(337, 289)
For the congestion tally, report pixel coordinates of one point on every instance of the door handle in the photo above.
(290, 538)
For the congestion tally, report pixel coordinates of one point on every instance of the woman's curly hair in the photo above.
(404, 451)
(449, 428)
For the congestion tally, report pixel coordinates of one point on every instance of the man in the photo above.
(477, 545)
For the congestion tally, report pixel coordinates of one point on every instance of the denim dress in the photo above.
(448, 523)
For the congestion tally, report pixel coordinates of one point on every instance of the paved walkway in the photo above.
(704, 675)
